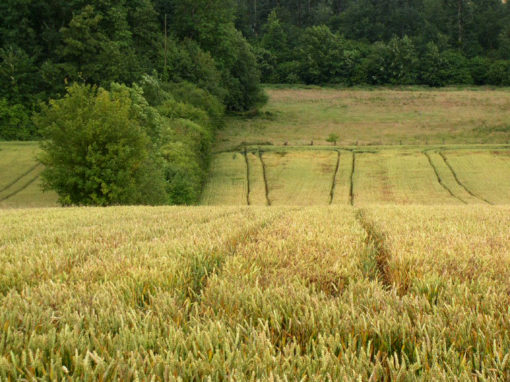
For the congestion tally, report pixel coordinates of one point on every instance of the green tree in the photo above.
(211, 24)
(97, 150)
(333, 138)
(430, 67)
(321, 56)
(275, 37)
(15, 122)
(402, 61)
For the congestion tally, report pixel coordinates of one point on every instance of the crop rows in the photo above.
(20, 182)
(322, 293)
(360, 177)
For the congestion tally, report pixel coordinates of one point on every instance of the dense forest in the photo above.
(118, 89)
(429, 42)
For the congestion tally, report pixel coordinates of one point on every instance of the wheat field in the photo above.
(361, 176)
(304, 263)
(255, 293)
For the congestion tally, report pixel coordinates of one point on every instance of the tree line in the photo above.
(429, 42)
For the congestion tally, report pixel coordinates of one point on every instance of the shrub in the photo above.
(402, 61)
(321, 56)
(333, 138)
(267, 63)
(455, 68)
(98, 150)
(191, 115)
(189, 93)
(188, 62)
(479, 68)
(374, 65)
(182, 170)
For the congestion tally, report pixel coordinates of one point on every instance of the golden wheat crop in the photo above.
(255, 293)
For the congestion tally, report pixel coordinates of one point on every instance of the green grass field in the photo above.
(421, 176)
(374, 117)
(20, 183)
(323, 263)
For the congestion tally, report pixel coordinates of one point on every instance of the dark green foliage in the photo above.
(402, 61)
(378, 42)
(118, 147)
(275, 39)
(147, 141)
(17, 73)
(211, 25)
(15, 122)
(430, 67)
(479, 69)
(191, 94)
(191, 116)
(322, 56)
(499, 73)
(47, 45)
(186, 61)
(455, 68)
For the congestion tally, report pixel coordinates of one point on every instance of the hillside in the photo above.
(372, 263)
(429, 147)
(374, 116)
(20, 182)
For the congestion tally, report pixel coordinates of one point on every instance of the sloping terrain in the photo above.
(424, 176)
(20, 182)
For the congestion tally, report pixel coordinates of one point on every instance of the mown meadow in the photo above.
(374, 116)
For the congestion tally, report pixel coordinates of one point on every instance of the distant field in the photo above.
(322, 293)
(356, 176)
(20, 183)
(375, 117)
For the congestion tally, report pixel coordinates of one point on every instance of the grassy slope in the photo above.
(389, 293)
(486, 174)
(20, 183)
(399, 125)
(379, 116)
